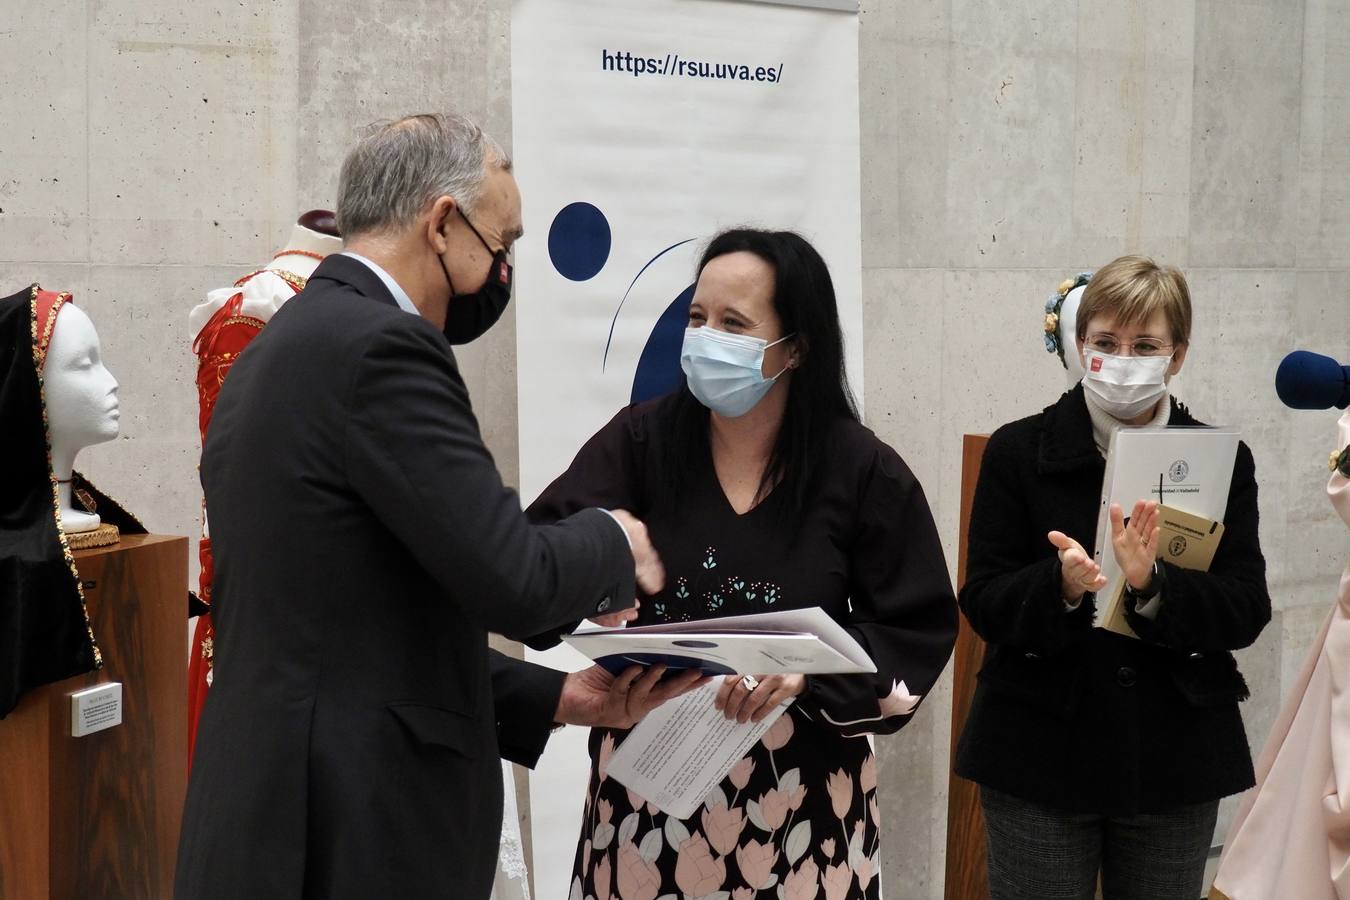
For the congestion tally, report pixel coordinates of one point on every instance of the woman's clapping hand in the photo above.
(1136, 542)
(1079, 573)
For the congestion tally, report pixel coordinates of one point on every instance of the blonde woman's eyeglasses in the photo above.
(1105, 343)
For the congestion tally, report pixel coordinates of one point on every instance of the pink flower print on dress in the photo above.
(697, 873)
(867, 776)
(635, 801)
(840, 786)
(804, 883)
(606, 751)
(742, 893)
(779, 734)
(740, 773)
(876, 812)
(836, 881)
(899, 702)
(606, 812)
(796, 797)
(756, 862)
(827, 847)
(723, 826)
(773, 806)
(637, 878)
(866, 869)
(602, 874)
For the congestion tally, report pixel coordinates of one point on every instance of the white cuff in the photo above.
(1149, 609)
(620, 524)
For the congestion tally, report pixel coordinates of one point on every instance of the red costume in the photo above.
(217, 345)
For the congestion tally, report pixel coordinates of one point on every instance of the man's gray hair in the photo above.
(398, 167)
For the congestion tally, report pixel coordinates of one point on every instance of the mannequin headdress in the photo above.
(47, 306)
(45, 633)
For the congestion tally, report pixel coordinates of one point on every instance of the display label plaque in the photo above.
(96, 708)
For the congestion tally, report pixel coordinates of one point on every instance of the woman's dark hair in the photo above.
(803, 298)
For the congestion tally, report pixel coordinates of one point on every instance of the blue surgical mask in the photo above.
(726, 371)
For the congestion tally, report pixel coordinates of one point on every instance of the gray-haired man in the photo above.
(365, 545)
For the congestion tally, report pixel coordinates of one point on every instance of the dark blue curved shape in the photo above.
(658, 369)
(618, 663)
(610, 339)
(579, 241)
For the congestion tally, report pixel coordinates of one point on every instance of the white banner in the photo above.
(641, 128)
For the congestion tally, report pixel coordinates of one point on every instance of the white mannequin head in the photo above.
(81, 398)
(1068, 334)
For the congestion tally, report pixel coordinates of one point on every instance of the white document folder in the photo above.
(1190, 469)
(803, 641)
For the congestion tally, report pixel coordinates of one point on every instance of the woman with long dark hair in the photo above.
(762, 491)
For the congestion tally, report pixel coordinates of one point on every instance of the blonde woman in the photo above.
(1098, 753)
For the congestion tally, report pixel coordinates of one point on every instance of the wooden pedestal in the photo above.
(967, 858)
(97, 816)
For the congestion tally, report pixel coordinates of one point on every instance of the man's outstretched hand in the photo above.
(647, 567)
(595, 697)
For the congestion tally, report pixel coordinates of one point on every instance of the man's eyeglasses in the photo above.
(1105, 343)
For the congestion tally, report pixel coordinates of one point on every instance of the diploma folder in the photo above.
(1184, 540)
(1187, 470)
(804, 641)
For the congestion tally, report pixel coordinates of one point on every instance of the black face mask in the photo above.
(471, 315)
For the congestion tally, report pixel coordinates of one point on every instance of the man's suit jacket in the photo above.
(364, 546)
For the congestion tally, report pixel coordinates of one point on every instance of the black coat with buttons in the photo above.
(1079, 718)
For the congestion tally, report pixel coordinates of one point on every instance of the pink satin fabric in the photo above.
(1290, 839)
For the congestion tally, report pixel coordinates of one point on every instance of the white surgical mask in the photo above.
(1125, 386)
(726, 371)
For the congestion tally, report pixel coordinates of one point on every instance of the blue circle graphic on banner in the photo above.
(658, 369)
(579, 241)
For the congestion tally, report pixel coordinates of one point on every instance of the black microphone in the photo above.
(1312, 381)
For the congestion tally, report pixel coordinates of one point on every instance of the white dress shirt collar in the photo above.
(400, 295)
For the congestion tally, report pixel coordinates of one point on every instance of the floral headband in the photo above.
(1053, 304)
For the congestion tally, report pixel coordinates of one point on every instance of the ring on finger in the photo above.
(750, 682)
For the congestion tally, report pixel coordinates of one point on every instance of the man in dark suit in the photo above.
(365, 545)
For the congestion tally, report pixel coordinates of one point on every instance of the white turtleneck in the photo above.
(1103, 423)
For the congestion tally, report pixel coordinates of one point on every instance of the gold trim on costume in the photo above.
(310, 253)
(86, 500)
(104, 535)
(243, 320)
(51, 475)
(77, 475)
(298, 282)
